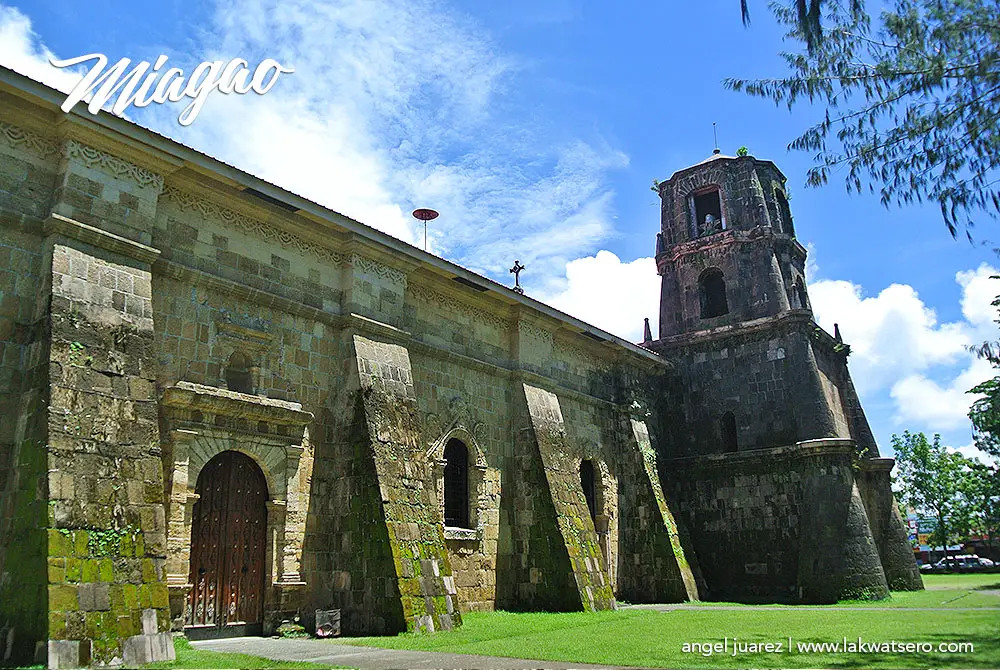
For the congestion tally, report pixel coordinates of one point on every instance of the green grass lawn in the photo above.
(948, 591)
(657, 639)
(189, 657)
(959, 581)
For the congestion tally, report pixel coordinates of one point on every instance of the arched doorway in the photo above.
(228, 548)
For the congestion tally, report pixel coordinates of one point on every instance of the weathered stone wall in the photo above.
(562, 473)
(534, 569)
(469, 403)
(657, 562)
(139, 270)
(348, 561)
(107, 596)
(27, 174)
(887, 525)
(760, 261)
(783, 524)
(765, 373)
(748, 188)
(416, 534)
(831, 358)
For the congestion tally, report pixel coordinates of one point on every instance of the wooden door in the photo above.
(228, 535)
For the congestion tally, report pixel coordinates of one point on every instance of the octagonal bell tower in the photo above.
(763, 407)
(735, 316)
(727, 250)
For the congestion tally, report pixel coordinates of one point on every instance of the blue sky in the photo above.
(536, 127)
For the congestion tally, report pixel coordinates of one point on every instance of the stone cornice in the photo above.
(791, 318)
(62, 225)
(463, 307)
(877, 464)
(84, 129)
(829, 446)
(257, 227)
(216, 401)
(248, 225)
(185, 165)
(726, 238)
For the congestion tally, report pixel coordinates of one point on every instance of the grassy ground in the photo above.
(960, 581)
(657, 639)
(942, 591)
(189, 657)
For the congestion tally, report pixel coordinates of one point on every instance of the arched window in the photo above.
(712, 290)
(785, 213)
(727, 427)
(456, 484)
(708, 212)
(238, 375)
(588, 480)
(800, 294)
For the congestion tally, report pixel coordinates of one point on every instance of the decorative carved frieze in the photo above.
(433, 297)
(249, 225)
(563, 350)
(534, 331)
(374, 267)
(118, 167)
(19, 138)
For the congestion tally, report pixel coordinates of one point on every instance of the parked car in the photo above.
(959, 563)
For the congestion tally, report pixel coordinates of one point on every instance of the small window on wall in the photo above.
(238, 375)
(800, 294)
(712, 292)
(588, 480)
(456, 484)
(708, 213)
(785, 213)
(727, 427)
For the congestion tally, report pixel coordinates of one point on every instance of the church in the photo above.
(224, 407)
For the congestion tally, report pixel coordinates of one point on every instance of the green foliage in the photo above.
(912, 100)
(107, 543)
(933, 480)
(742, 151)
(981, 488)
(985, 417)
(807, 17)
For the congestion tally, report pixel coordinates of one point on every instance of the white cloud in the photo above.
(970, 451)
(943, 405)
(20, 50)
(891, 334)
(401, 104)
(393, 105)
(979, 289)
(612, 295)
(898, 345)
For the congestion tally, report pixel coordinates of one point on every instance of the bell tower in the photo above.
(763, 437)
(727, 251)
(735, 317)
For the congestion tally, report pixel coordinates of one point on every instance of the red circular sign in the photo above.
(425, 214)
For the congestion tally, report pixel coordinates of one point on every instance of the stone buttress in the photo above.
(387, 432)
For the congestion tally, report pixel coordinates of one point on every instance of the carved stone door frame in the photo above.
(204, 421)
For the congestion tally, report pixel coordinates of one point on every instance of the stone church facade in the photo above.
(223, 406)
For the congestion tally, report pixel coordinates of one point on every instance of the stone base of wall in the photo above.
(887, 525)
(783, 525)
